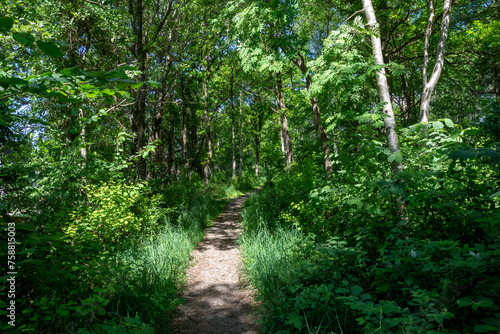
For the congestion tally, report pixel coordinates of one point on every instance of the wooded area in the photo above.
(373, 127)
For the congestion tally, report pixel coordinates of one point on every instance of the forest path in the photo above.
(216, 300)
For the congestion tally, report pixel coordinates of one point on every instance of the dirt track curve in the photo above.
(216, 300)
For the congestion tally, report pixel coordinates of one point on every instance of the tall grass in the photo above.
(276, 260)
(270, 259)
(149, 274)
(270, 255)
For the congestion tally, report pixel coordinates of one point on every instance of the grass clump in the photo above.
(150, 272)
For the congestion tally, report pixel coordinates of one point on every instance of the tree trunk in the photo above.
(206, 167)
(286, 134)
(257, 154)
(321, 131)
(156, 134)
(405, 99)
(257, 139)
(184, 128)
(194, 145)
(282, 137)
(300, 62)
(383, 87)
(241, 141)
(83, 143)
(139, 108)
(438, 67)
(170, 149)
(232, 129)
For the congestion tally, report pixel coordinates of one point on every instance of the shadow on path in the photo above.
(216, 301)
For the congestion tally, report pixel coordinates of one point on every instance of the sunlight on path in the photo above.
(215, 301)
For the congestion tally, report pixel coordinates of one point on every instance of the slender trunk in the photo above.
(405, 99)
(438, 67)
(241, 141)
(139, 109)
(286, 134)
(257, 154)
(257, 139)
(83, 144)
(170, 150)
(219, 166)
(300, 62)
(232, 128)
(206, 167)
(428, 32)
(156, 136)
(321, 131)
(282, 137)
(194, 144)
(184, 128)
(382, 87)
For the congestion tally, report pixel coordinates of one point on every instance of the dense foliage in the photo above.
(125, 124)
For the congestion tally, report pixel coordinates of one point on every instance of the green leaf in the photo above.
(492, 321)
(437, 125)
(122, 86)
(484, 328)
(6, 23)
(108, 91)
(466, 301)
(415, 128)
(395, 156)
(497, 194)
(124, 94)
(136, 85)
(23, 38)
(70, 100)
(49, 49)
(153, 83)
(63, 313)
(356, 290)
(482, 302)
(69, 71)
(455, 133)
(60, 105)
(448, 122)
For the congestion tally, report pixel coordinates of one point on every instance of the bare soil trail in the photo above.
(216, 299)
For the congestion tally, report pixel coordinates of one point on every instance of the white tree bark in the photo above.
(438, 67)
(382, 85)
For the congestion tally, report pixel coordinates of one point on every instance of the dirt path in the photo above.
(215, 299)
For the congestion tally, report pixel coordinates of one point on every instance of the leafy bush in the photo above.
(121, 265)
(417, 254)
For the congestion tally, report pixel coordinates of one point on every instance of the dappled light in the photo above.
(250, 166)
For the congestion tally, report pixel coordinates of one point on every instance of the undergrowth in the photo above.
(115, 264)
(338, 256)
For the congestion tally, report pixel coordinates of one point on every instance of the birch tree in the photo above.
(383, 87)
(430, 85)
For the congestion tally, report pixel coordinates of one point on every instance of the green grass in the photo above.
(270, 259)
(150, 273)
